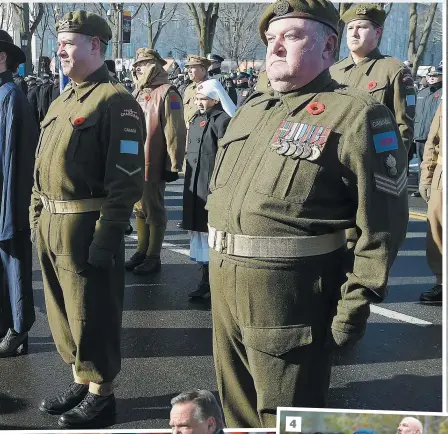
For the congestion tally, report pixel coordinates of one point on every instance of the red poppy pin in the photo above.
(436, 95)
(147, 97)
(371, 85)
(315, 108)
(79, 121)
(202, 124)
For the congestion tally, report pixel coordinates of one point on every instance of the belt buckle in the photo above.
(45, 202)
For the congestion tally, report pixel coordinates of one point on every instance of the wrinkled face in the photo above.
(362, 37)
(294, 54)
(196, 73)
(183, 421)
(433, 79)
(76, 52)
(407, 426)
(141, 67)
(203, 103)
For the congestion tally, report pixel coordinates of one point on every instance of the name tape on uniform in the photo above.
(128, 147)
(381, 122)
(385, 141)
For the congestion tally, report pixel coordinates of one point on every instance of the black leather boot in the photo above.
(136, 259)
(14, 344)
(66, 400)
(204, 285)
(433, 295)
(150, 265)
(94, 411)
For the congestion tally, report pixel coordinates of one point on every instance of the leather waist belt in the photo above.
(440, 159)
(72, 206)
(274, 247)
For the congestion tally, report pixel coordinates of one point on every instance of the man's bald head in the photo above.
(410, 425)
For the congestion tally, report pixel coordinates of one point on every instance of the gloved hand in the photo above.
(425, 191)
(170, 176)
(100, 258)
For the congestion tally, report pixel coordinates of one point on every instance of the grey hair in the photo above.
(103, 46)
(206, 405)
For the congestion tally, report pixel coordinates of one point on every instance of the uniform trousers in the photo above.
(84, 303)
(434, 235)
(16, 290)
(271, 321)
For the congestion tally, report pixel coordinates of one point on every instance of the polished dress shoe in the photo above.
(433, 295)
(14, 344)
(66, 400)
(94, 411)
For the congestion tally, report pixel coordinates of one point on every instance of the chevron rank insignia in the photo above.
(392, 186)
(297, 140)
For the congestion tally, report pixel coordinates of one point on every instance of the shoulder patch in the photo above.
(384, 142)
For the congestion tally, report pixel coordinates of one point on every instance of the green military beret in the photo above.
(365, 11)
(194, 59)
(317, 10)
(148, 54)
(85, 23)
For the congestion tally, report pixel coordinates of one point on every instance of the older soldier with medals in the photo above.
(300, 162)
(88, 175)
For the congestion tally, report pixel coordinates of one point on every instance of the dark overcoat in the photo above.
(205, 131)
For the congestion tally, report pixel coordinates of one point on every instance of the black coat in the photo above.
(428, 99)
(204, 133)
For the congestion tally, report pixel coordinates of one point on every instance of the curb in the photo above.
(417, 215)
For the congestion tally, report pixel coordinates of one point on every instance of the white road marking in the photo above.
(375, 309)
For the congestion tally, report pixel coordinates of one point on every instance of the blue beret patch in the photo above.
(128, 147)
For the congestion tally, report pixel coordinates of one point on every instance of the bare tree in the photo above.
(387, 7)
(205, 16)
(155, 20)
(28, 25)
(237, 36)
(343, 7)
(416, 49)
(6, 16)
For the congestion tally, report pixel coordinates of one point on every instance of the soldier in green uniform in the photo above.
(387, 79)
(197, 71)
(296, 167)
(88, 175)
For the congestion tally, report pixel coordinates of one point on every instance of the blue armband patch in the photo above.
(410, 99)
(128, 147)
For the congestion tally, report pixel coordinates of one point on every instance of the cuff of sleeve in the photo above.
(109, 235)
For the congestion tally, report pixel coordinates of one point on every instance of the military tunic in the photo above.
(272, 316)
(388, 81)
(190, 107)
(90, 150)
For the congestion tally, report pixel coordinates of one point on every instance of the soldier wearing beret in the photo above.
(88, 175)
(297, 166)
(387, 79)
(164, 155)
(197, 72)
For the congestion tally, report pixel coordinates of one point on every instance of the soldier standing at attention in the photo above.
(296, 168)
(88, 175)
(387, 79)
(164, 155)
(431, 187)
(197, 72)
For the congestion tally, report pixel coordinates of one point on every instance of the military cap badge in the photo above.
(361, 10)
(281, 7)
(64, 23)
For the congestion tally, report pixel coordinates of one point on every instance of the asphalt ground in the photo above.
(167, 342)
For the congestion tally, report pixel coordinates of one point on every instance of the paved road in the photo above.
(167, 346)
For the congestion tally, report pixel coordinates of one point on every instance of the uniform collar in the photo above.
(349, 63)
(6, 77)
(101, 75)
(298, 98)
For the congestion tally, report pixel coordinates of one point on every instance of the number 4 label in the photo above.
(293, 424)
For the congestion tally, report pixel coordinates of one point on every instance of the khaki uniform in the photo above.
(432, 174)
(88, 175)
(308, 163)
(190, 107)
(388, 81)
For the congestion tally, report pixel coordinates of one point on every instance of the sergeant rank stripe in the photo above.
(297, 140)
(391, 186)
